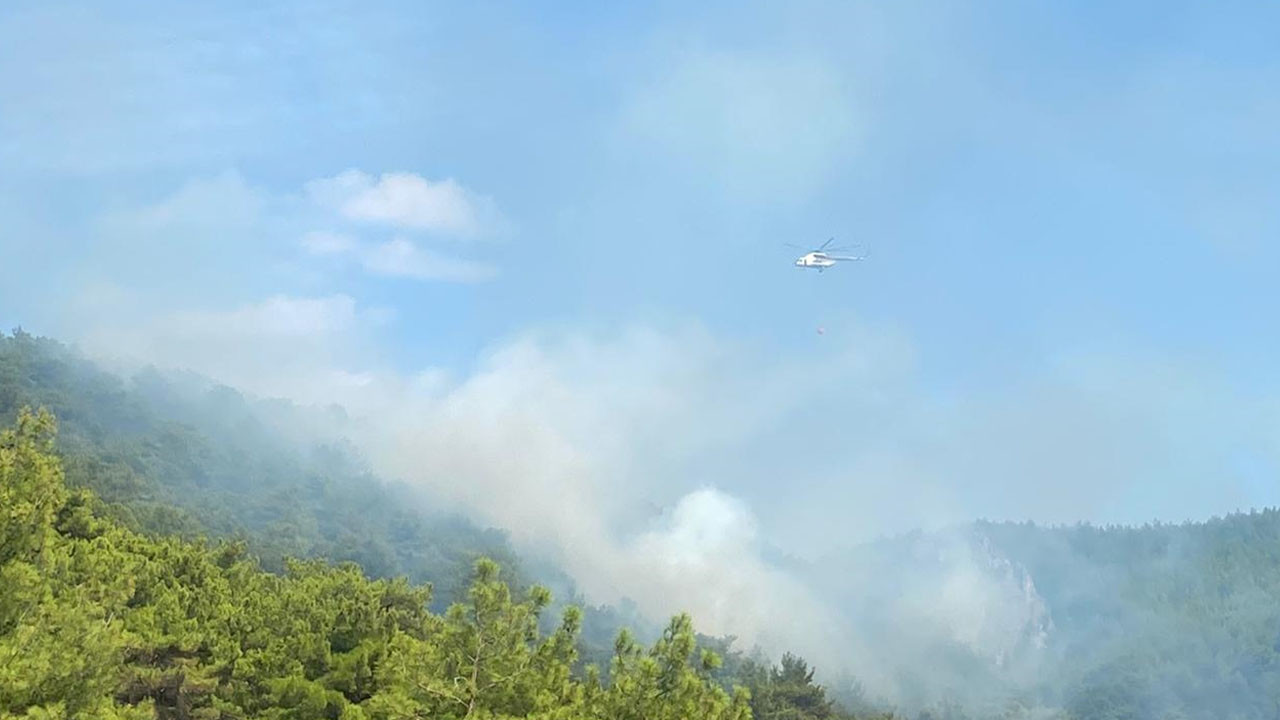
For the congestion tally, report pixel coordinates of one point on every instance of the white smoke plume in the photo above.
(687, 473)
(587, 453)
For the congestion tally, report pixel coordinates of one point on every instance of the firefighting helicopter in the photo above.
(821, 257)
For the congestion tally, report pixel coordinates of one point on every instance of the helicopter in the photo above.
(821, 257)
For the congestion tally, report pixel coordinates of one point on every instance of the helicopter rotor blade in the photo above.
(824, 245)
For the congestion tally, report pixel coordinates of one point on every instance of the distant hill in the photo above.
(1014, 619)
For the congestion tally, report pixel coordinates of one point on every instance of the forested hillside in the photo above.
(149, 466)
(172, 454)
(99, 621)
(180, 454)
(1165, 620)
(1015, 619)
(102, 550)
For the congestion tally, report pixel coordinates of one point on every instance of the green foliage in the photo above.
(31, 489)
(787, 692)
(97, 620)
(670, 681)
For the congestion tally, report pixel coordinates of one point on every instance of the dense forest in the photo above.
(180, 552)
(100, 621)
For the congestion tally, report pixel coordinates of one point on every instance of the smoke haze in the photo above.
(681, 472)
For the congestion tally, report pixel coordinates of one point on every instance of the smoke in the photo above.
(681, 471)
(587, 451)
(942, 616)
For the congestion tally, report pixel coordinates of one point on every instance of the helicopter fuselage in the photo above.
(819, 260)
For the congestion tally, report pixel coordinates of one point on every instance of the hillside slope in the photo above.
(172, 454)
(100, 621)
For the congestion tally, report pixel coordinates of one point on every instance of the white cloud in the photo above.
(400, 257)
(397, 257)
(405, 200)
(212, 229)
(328, 243)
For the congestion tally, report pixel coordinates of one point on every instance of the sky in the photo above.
(541, 249)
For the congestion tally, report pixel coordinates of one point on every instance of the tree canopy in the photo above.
(97, 620)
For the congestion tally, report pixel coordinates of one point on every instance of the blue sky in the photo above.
(1071, 212)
